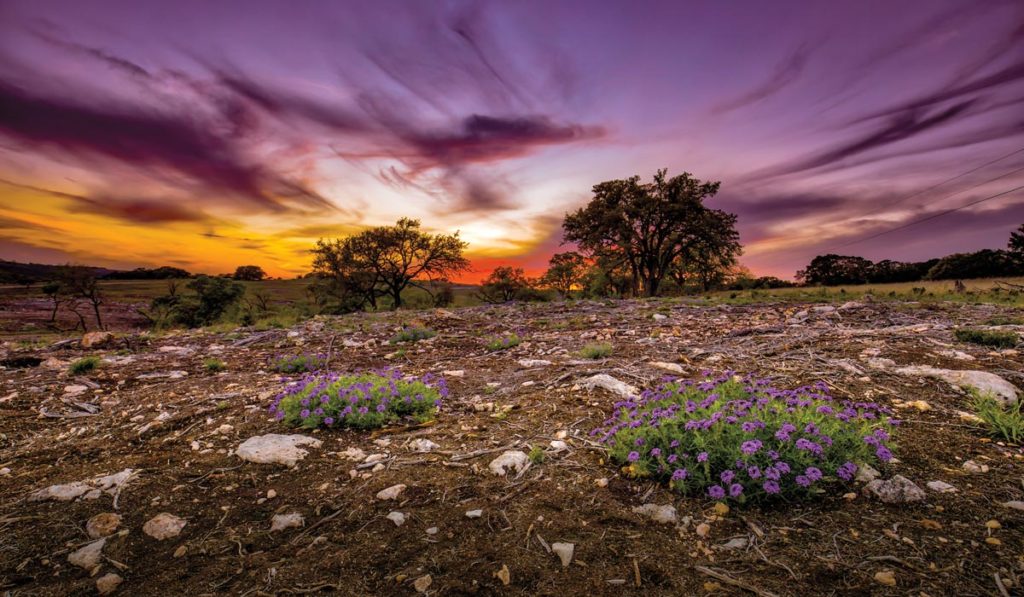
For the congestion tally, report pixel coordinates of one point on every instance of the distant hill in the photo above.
(13, 272)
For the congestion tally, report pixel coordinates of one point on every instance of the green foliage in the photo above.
(741, 438)
(503, 343)
(252, 273)
(536, 455)
(994, 338)
(214, 365)
(598, 350)
(360, 401)
(412, 334)
(566, 272)
(209, 300)
(300, 363)
(1004, 422)
(504, 284)
(84, 365)
(833, 270)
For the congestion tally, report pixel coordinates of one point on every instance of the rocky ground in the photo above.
(152, 476)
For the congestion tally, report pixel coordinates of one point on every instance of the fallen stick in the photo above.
(732, 581)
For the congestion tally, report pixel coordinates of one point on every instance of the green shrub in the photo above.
(360, 401)
(300, 363)
(412, 334)
(596, 351)
(503, 343)
(993, 338)
(213, 365)
(741, 438)
(1005, 422)
(84, 365)
(536, 455)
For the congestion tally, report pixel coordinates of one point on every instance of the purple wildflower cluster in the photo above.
(738, 437)
(360, 400)
(300, 363)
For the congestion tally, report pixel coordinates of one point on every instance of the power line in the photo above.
(983, 183)
(937, 215)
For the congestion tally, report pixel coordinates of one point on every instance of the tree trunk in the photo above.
(396, 298)
(96, 311)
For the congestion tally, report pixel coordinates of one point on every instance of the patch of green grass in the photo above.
(300, 363)
(536, 455)
(993, 338)
(597, 350)
(503, 343)
(1005, 422)
(412, 334)
(1004, 320)
(84, 365)
(214, 365)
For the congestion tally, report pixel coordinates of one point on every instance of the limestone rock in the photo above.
(981, 381)
(275, 448)
(564, 551)
(88, 556)
(531, 363)
(898, 490)
(391, 493)
(108, 583)
(510, 461)
(609, 383)
(670, 367)
(164, 526)
(940, 487)
(396, 517)
(96, 339)
(291, 520)
(423, 445)
(665, 514)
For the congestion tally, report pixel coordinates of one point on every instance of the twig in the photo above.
(732, 581)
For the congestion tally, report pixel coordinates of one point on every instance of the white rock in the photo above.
(373, 458)
(1014, 504)
(164, 526)
(974, 468)
(881, 363)
(671, 367)
(665, 514)
(866, 473)
(609, 383)
(564, 552)
(981, 381)
(75, 390)
(225, 429)
(108, 583)
(291, 520)
(433, 531)
(659, 317)
(90, 489)
(423, 445)
(275, 448)
(737, 543)
(558, 445)
(88, 556)
(454, 373)
(510, 461)
(530, 363)
(354, 454)
(422, 583)
(474, 513)
(824, 309)
(396, 517)
(956, 354)
(391, 493)
(940, 487)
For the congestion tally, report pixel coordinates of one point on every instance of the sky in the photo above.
(207, 135)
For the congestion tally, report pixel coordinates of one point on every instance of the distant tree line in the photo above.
(835, 270)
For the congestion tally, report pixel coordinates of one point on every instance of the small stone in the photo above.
(602, 482)
(422, 583)
(721, 508)
(564, 552)
(275, 448)
(737, 543)
(703, 529)
(993, 525)
(898, 490)
(108, 583)
(931, 524)
(866, 473)
(665, 514)
(1014, 504)
(531, 363)
(423, 445)
(940, 487)
(511, 461)
(354, 454)
(181, 551)
(559, 445)
(281, 522)
(886, 577)
(271, 494)
(474, 513)
(396, 517)
(454, 373)
(88, 556)
(670, 367)
(164, 526)
(993, 541)
(433, 531)
(102, 525)
(391, 493)
(849, 496)
(74, 390)
(504, 575)
(659, 317)
(96, 339)
(974, 468)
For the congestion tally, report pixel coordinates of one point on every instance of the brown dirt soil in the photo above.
(170, 430)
